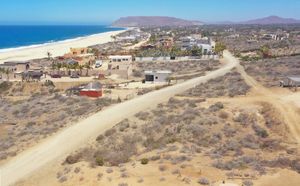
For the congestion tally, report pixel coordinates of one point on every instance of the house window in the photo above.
(156, 77)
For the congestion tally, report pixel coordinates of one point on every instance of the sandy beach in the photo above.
(56, 49)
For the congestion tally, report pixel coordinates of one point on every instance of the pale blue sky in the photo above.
(104, 12)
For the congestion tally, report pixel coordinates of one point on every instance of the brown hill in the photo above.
(150, 21)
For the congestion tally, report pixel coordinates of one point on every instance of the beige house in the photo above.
(16, 66)
(123, 70)
(81, 55)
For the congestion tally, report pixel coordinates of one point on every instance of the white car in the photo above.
(98, 64)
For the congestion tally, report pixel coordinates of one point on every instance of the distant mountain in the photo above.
(271, 20)
(150, 21)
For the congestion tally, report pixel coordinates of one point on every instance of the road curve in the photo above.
(64, 142)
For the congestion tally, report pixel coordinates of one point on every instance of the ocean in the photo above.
(25, 36)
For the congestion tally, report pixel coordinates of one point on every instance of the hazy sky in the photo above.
(106, 11)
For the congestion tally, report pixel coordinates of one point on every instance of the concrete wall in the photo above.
(182, 58)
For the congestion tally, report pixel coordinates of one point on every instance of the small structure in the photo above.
(120, 58)
(93, 89)
(161, 76)
(290, 81)
(124, 70)
(16, 66)
(81, 55)
(166, 42)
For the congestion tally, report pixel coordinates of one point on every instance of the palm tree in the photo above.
(80, 67)
(87, 66)
(2, 70)
(219, 48)
(75, 67)
(49, 55)
(7, 72)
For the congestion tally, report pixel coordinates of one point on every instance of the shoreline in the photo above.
(57, 48)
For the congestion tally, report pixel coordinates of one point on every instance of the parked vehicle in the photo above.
(74, 76)
(98, 64)
(55, 76)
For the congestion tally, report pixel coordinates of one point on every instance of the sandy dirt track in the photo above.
(58, 146)
(289, 115)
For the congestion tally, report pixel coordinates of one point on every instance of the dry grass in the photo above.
(270, 71)
(230, 85)
(32, 118)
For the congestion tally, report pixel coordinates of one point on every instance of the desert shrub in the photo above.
(100, 138)
(155, 158)
(5, 86)
(223, 115)
(247, 183)
(144, 161)
(123, 184)
(142, 115)
(203, 181)
(72, 159)
(176, 171)
(99, 161)
(103, 102)
(296, 166)
(259, 131)
(270, 144)
(123, 125)
(77, 170)
(249, 141)
(110, 132)
(245, 119)
(232, 145)
(162, 168)
(124, 175)
(109, 170)
(216, 107)
(229, 131)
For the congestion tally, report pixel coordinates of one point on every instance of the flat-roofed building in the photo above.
(120, 58)
(157, 76)
(16, 66)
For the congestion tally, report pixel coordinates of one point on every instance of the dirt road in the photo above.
(58, 146)
(288, 111)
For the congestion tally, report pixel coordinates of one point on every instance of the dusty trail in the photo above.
(288, 111)
(55, 149)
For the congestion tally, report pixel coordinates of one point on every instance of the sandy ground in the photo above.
(290, 112)
(56, 49)
(56, 148)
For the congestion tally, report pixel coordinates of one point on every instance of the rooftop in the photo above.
(294, 78)
(120, 56)
(158, 71)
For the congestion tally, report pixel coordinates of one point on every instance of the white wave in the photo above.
(51, 42)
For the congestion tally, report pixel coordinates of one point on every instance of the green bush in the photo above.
(144, 161)
(99, 161)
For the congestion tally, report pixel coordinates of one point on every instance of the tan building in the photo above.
(120, 58)
(123, 70)
(81, 55)
(16, 66)
(166, 42)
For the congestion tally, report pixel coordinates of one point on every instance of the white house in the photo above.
(120, 58)
(206, 48)
(160, 76)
